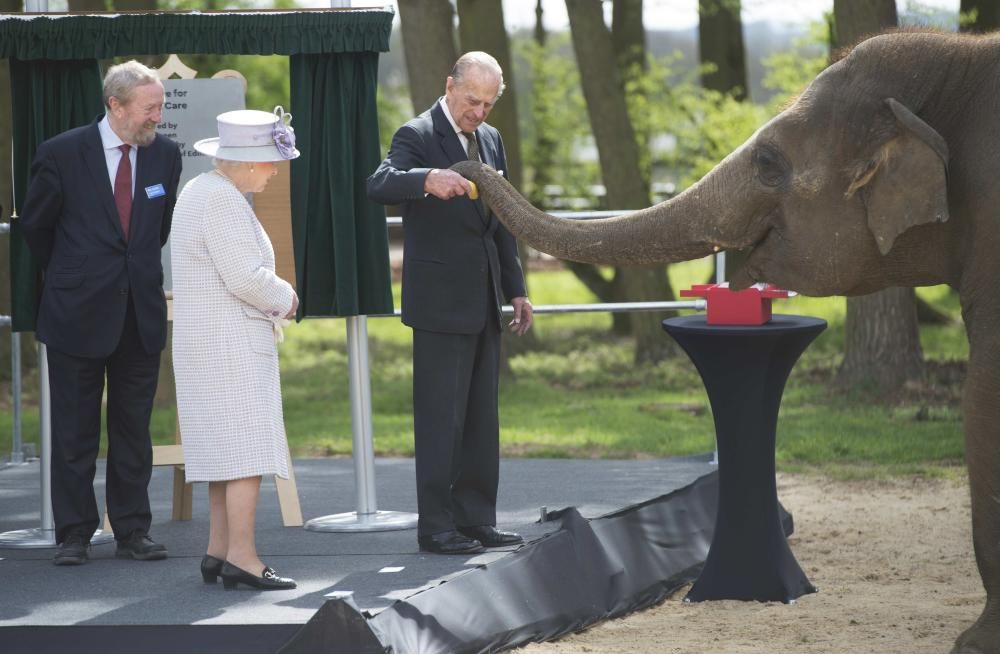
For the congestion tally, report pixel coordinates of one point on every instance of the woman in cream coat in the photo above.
(229, 307)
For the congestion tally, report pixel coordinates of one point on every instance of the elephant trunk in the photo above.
(713, 214)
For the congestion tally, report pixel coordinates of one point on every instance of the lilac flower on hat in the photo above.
(284, 135)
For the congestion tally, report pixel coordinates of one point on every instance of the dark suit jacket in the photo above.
(452, 249)
(70, 223)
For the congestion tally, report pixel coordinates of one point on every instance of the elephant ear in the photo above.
(907, 184)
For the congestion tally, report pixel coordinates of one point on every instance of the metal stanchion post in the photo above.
(367, 517)
(720, 276)
(17, 449)
(44, 536)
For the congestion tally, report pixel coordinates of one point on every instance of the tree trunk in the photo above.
(854, 20)
(720, 44)
(628, 36)
(882, 348)
(543, 165)
(987, 15)
(881, 341)
(619, 155)
(429, 42)
(480, 27)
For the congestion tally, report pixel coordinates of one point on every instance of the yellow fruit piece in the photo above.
(473, 191)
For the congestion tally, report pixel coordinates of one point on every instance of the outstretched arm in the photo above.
(404, 176)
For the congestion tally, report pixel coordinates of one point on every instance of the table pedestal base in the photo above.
(744, 369)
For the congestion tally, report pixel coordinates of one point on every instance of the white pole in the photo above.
(720, 276)
(45, 535)
(367, 517)
(17, 449)
(361, 414)
(45, 428)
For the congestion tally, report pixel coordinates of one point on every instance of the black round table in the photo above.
(744, 368)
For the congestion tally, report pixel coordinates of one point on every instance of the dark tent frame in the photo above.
(339, 236)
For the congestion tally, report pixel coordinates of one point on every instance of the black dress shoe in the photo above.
(72, 551)
(268, 580)
(141, 547)
(449, 542)
(490, 536)
(211, 568)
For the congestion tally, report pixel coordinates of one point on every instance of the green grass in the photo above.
(577, 393)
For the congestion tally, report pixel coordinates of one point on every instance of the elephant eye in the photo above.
(770, 165)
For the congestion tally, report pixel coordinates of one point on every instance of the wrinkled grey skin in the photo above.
(885, 172)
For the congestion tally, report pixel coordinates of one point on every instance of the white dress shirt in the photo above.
(461, 136)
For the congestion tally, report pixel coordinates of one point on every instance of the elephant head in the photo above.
(821, 196)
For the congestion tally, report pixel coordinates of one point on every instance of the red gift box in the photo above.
(751, 306)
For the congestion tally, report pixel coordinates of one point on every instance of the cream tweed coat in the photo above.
(227, 300)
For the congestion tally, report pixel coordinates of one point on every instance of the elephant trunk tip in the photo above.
(469, 169)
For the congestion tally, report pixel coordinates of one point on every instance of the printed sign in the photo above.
(189, 110)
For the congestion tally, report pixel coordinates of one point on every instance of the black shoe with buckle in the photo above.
(268, 579)
(141, 547)
(490, 536)
(72, 551)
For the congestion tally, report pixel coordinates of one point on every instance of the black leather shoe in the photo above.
(72, 551)
(449, 542)
(141, 547)
(211, 568)
(268, 580)
(490, 536)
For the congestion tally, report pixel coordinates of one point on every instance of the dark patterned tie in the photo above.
(123, 189)
(473, 145)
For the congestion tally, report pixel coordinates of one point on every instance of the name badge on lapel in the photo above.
(155, 191)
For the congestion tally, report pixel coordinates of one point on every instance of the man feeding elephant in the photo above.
(459, 264)
(883, 173)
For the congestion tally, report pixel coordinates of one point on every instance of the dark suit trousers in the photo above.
(76, 386)
(456, 428)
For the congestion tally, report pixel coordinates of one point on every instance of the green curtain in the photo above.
(341, 245)
(267, 32)
(47, 98)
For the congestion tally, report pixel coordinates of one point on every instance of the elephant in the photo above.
(884, 172)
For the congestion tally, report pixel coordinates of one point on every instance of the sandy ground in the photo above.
(892, 560)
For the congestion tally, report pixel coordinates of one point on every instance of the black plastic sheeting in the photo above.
(583, 572)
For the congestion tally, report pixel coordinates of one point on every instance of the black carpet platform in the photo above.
(619, 535)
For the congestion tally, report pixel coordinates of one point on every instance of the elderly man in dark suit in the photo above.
(459, 265)
(97, 214)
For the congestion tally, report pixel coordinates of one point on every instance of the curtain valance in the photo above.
(102, 36)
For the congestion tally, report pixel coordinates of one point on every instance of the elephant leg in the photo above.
(981, 407)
